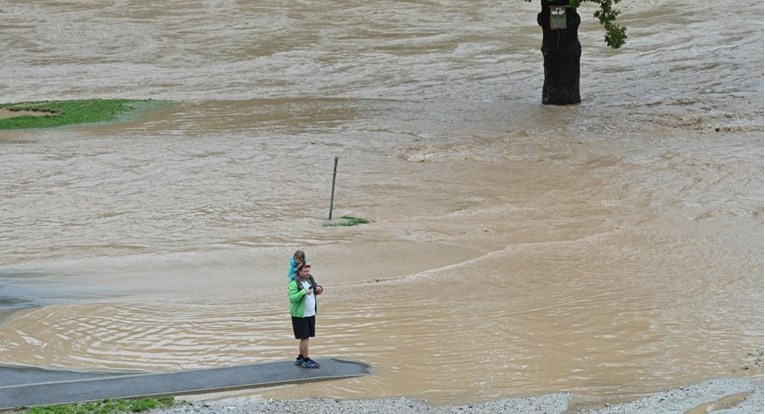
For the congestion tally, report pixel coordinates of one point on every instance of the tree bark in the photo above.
(561, 50)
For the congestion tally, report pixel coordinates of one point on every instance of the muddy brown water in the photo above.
(608, 249)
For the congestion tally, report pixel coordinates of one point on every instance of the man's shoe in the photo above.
(309, 363)
(299, 361)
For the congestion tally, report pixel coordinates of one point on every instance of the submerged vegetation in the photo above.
(51, 114)
(105, 407)
(348, 221)
(755, 360)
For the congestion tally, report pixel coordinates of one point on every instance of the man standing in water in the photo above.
(303, 306)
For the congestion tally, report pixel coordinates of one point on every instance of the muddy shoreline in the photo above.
(742, 395)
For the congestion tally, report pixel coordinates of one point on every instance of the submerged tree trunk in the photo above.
(561, 50)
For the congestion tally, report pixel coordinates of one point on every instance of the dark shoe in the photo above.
(299, 361)
(309, 363)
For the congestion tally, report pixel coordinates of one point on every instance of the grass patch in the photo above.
(104, 407)
(346, 221)
(53, 114)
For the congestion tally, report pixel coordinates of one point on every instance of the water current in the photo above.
(607, 249)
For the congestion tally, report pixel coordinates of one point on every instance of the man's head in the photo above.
(303, 270)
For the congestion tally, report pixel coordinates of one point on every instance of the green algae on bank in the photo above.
(51, 114)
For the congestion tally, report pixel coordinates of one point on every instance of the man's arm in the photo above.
(295, 294)
(318, 288)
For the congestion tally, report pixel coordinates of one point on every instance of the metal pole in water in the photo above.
(332, 198)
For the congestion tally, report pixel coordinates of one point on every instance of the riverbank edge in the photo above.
(739, 395)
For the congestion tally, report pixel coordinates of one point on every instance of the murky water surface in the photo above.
(608, 249)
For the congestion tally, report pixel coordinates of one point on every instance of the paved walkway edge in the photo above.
(61, 391)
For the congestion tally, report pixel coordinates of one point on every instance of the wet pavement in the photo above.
(27, 387)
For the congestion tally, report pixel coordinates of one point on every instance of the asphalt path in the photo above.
(29, 387)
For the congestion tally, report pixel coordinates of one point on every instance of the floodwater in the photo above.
(608, 249)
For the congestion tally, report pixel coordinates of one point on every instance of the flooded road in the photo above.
(608, 249)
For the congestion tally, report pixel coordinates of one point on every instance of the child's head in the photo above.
(299, 256)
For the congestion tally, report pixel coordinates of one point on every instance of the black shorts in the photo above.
(304, 328)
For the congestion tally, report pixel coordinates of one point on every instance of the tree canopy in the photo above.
(616, 35)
